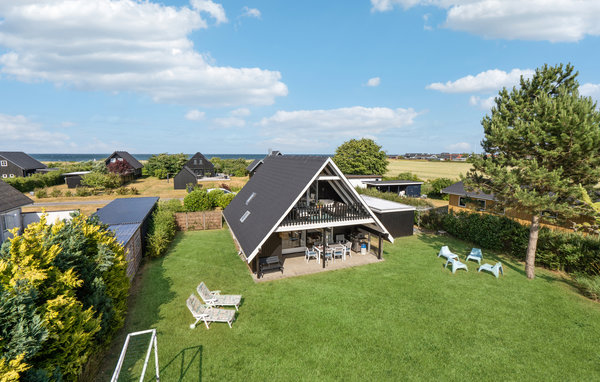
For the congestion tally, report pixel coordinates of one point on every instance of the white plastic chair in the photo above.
(456, 264)
(495, 270)
(475, 255)
(311, 254)
(445, 252)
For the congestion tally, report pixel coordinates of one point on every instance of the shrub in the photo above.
(41, 193)
(197, 200)
(52, 325)
(588, 284)
(436, 186)
(56, 193)
(406, 176)
(122, 191)
(162, 227)
(99, 180)
(225, 199)
(234, 167)
(214, 196)
(417, 202)
(41, 180)
(68, 193)
(134, 191)
(225, 186)
(162, 164)
(83, 191)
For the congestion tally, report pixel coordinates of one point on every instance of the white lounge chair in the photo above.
(208, 314)
(475, 255)
(495, 270)
(456, 264)
(215, 298)
(445, 252)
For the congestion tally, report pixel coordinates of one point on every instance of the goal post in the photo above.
(151, 345)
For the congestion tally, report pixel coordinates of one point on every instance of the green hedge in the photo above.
(163, 227)
(570, 252)
(30, 183)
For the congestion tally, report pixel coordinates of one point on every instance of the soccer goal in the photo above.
(151, 345)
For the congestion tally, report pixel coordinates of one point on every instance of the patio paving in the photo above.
(296, 265)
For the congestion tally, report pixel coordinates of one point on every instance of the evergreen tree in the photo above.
(542, 140)
(361, 157)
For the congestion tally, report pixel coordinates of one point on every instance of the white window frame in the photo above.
(3, 163)
(11, 175)
(4, 176)
(460, 199)
(120, 159)
(113, 160)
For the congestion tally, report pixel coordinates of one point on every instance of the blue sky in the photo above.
(302, 77)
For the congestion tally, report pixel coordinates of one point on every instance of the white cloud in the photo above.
(68, 124)
(552, 20)
(241, 112)
(590, 90)
(250, 12)
(125, 46)
(228, 122)
(483, 103)
(20, 133)
(195, 115)
(306, 129)
(490, 80)
(373, 82)
(216, 11)
(459, 147)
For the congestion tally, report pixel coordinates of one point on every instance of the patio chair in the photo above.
(328, 254)
(445, 252)
(348, 248)
(338, 252)
(475, 255)
(311, 254)
(215, 298)
(456, 264)
(208, 314)
(495, 270)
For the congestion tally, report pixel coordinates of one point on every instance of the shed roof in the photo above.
(385, 206)
(458, 188)
(126, 210)
(124, 232)
(11, 198)
(363, 176)
(392, 183)
(75, 173)
(22, 160)
(128, 158)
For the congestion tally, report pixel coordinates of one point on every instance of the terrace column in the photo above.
(379, 250)
(324, 246)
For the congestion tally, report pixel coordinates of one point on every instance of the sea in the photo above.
(88, 157)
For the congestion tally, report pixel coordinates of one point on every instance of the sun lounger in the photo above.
(495, 270)
(445, 252)
(215, 298)
(208, 314)
(475, 255)
(456, 264)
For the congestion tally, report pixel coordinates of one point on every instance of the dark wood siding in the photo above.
(271, 247)
(182, 179)
(398, 223)
(11, 168)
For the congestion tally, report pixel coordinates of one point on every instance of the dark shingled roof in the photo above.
(276, 186)
(253, 165)
(391, 183)
(11, 198)
(22, 160)
(458, 188)
(128, 158)
(124, 232)
(126, 210)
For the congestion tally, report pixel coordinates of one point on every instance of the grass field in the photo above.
(406, 318)
(427, 170)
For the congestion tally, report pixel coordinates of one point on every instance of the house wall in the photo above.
(73, 181)
(136, 172)
(398, 223)
(9, 220)
(413, 190)
(10, 168)
(202, 166)
(181, 180)
(271, 247)
(51, 217)
(133, 253)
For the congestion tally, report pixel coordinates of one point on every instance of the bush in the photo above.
(405, 176)
(197, 200)
(56, 193)
(53, 324)
(134, 191)
(41, 180)
(83, 191)
(162, 227)
(122, 191)
(234, 167)
(436, 186)
(214, 196)
(225, 199)
(99, 180)
(68, 193)
(417, 202)
(162, 164)
(589, 285)
(41, 193)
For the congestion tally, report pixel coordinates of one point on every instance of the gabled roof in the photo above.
(22, 160)
(255, 163)
(199, 155)
(126, 210)
(128, 158)
(186, 169)
(458, 188)
(11, 198)
(271, 193)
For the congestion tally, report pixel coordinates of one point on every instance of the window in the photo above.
(120, 159)
(3, 163)
(4, 176)
(195, 161)
(250, 198)
(113, 160)
(244, 216)
(462, 201)
(11, 176)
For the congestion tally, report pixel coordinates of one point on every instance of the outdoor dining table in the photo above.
(319, 249)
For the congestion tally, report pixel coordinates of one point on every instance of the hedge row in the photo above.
(30, 183)
(570, 252)
(162, 227)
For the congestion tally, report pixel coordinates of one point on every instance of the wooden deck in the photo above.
(296, 265)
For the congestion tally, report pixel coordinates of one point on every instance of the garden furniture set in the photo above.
(208, 312)
(475, 255)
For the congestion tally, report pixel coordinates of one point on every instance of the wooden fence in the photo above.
(198, 221)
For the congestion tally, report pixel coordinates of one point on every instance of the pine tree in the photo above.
(542, 140)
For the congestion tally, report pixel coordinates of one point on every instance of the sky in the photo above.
(245, 76)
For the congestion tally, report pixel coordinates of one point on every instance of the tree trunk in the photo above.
(531, 247)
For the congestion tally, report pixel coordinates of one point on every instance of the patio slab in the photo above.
(296, 265)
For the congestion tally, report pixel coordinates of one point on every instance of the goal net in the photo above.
(135, 355)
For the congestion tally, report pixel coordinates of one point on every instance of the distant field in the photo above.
(428, 170)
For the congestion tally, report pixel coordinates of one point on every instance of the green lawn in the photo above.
(406, 318)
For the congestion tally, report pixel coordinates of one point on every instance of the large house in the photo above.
(135, 167)
(11, 202)
(295, 202)
(196, 168)
(17, 163)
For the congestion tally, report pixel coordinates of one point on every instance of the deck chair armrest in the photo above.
(210, 300)
(215, 292)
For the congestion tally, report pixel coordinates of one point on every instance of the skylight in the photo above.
(244, 216)
(250, 198)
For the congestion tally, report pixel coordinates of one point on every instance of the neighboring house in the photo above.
(253, 167)
(196, 168)
(295, 202)
(124, 156)
(11, 201)
(129, 219)
(359, 180)
(460, 199)
(398, 187)
(17, 163)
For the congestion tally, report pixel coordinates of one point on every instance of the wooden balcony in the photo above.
(330, 213)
